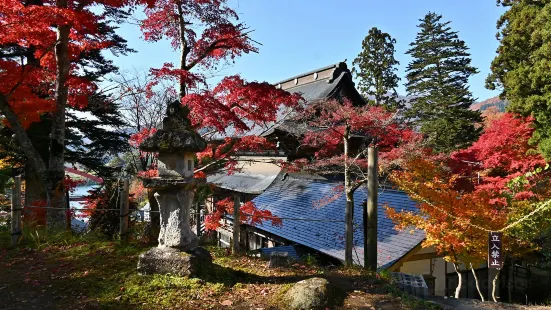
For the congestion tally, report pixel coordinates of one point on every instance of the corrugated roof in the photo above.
(292, 253)
(296, 198)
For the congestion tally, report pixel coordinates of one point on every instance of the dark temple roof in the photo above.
(330, 82)
(318, 84)
(296, 198)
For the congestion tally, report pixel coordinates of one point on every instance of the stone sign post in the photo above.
(176, 143)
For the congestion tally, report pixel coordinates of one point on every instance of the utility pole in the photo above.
(364, 223)
(236, 218)
(16, 208)
(198, 217)
(372, 199)
(124, 211)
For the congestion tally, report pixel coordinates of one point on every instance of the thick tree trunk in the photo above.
(56, 173)
(476, 283)
(35, 194)
(349, 210)
(459, 280)
(33, 157)
(494, 285)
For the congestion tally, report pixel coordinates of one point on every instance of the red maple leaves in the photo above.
(205, 27)
(238, 105)
(488, 186)
(368, 125)
(206, 33)
(502, 153)
(28, 63)
(248, 212)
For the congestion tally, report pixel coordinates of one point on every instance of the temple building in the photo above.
(319, 230)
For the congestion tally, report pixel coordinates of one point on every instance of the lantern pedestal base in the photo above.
(174, 205)
(174, 261)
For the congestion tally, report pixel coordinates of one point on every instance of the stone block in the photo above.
(278, 259)
(173, 261)
(412, 284)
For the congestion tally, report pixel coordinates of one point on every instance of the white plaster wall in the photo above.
(440, 274)
(426, 251)
(261, 165)
(419, 267)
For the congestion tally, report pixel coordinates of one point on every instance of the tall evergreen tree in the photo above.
(437, 80)
(521, 68)
(375, 67)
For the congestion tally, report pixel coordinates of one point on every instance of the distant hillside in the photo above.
(482, 106)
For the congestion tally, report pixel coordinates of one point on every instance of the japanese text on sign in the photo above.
(495, 253)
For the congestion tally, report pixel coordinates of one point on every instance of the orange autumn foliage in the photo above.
(448, 217)
(487, 187)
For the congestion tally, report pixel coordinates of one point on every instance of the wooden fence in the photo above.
(17, 214)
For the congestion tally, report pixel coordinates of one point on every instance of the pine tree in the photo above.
(437, 80)
(375, 67)
(521, 68)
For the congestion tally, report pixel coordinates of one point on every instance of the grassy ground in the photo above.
(69, 272)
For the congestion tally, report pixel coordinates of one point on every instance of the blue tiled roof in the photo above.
(296, 198)
(287, 248)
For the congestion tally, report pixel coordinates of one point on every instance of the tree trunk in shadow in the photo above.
(35, 195)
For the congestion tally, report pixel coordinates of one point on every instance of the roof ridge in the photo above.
(341, 65)
(305, 74)
(283, 175)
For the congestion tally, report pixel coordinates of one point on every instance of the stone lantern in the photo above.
(176, 144)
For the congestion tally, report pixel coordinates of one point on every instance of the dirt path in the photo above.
(103, 276)
(24, 281)
(474, 304)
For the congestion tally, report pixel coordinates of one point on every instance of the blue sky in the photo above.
(303, 35)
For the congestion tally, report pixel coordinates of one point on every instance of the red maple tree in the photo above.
(489, 186)
(502, 153)
(41, 41)
(340, 133)
(206, 34)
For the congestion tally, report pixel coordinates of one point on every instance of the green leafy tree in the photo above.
(375, 67)
(521, 68)
(437, 80)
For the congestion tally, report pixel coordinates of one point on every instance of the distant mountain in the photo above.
(482, 106)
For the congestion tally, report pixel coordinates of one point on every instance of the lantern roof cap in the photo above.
(177, 135)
